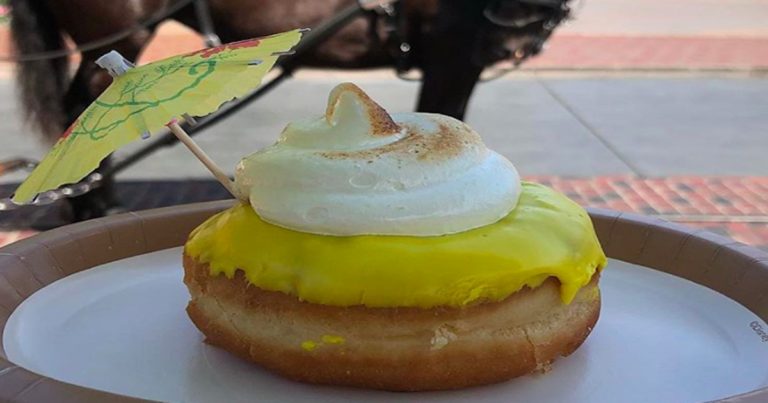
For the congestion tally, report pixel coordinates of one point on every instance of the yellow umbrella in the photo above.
(145, 99)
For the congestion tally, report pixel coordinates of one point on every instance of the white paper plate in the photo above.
(660, 338)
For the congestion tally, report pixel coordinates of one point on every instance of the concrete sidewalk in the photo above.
(659, 18)
(547, 125)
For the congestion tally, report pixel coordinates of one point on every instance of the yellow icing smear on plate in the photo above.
(546, 235)
(310, 345)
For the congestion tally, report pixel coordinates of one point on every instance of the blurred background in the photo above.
(654, 107)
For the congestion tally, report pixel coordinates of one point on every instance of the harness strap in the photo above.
(207, 30)
(394, 23)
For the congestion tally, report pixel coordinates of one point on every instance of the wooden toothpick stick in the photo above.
(203, 157)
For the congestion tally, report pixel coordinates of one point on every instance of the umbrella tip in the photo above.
(114, 63)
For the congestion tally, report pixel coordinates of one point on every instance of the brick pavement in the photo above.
(582, 52)
(578, 52)
(732, 206)
(736, 207)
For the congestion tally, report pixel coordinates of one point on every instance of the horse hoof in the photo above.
(94, 204)
(116, 210)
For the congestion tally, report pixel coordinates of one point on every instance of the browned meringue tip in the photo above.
(381, 123)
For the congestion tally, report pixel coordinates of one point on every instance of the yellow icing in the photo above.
(546, 235)
(332, 339)
(308, 345)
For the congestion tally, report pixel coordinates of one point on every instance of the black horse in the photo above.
(449, 41)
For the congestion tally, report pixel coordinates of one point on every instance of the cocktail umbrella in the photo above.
(143, 100)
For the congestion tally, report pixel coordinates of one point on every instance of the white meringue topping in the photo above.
(358, 171)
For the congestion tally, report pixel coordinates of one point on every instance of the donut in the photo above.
(396, 349)
(395, 253)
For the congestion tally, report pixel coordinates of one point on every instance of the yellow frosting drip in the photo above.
(546, 235)
(332, 339)
(311, 345)
(308, 345)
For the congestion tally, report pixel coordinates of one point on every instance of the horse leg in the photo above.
(449, 72)
(88, 83)
(101, 200)
(447, 85)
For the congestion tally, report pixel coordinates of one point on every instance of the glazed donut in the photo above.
(397, 349)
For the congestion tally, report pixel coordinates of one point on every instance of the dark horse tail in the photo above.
(42, 83)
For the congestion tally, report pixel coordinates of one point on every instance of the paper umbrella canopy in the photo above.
(142, 100)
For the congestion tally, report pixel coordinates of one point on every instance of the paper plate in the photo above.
(98, 307)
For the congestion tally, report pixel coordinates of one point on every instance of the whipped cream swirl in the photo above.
(359, 171)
